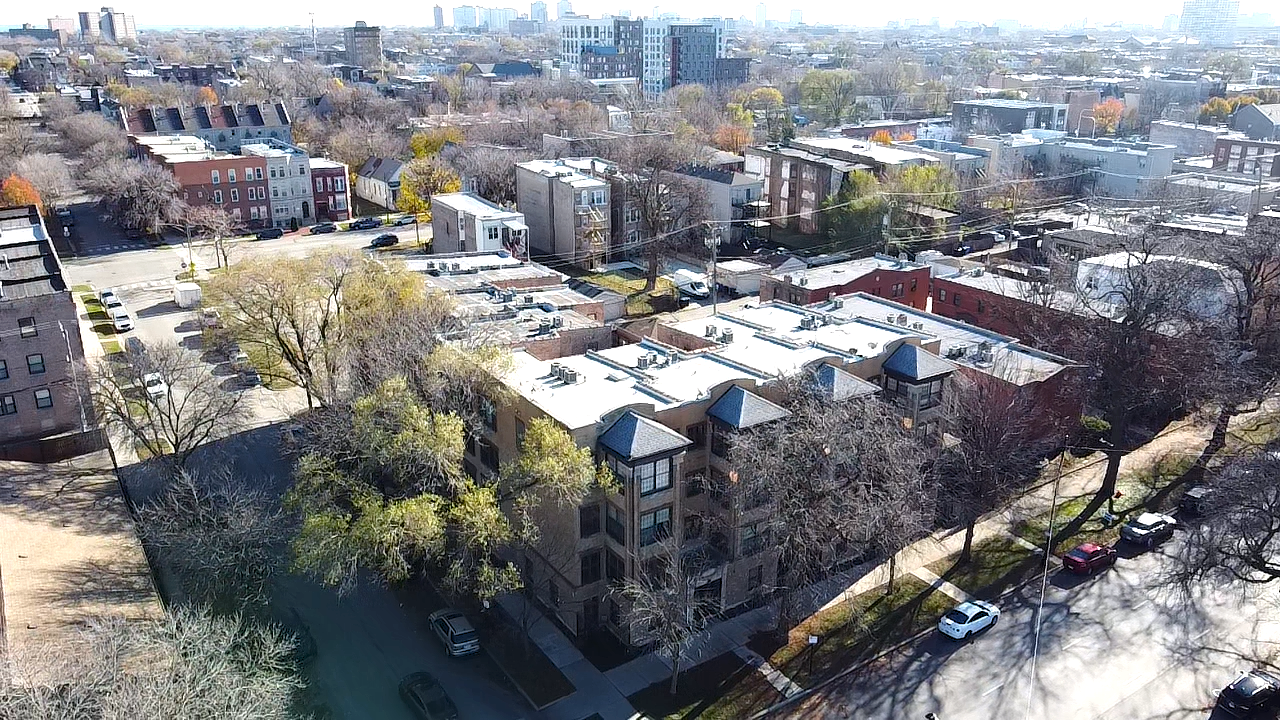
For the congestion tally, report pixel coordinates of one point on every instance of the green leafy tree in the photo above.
(834, 93)
(429, 143)
(421, 179)
(855, 215)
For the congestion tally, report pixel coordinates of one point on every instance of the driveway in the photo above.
(366, 642)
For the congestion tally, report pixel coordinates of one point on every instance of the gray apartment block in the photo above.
(987, 117)
(42, 375)
(1119, 169)
(568, 206)
(288, 181)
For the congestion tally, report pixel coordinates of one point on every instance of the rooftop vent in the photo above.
(809, 322)
(555, 369)
(917, 326)
(569, 376)
(642, 362)
(804, 282)
(837, 303)
(711, 331)
(528, 299)
(902, 320)
(977, 272)
(726, 336)
(888, 319)
(557, 321)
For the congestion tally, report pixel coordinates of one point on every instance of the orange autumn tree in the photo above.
(17, 191)
(1107, 115)
(882, 137)
(206, 96)
(731, 138)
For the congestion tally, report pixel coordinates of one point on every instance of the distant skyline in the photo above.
(331, 13)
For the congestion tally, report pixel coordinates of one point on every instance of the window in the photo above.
(275, 191)
(655, 526)
(982, 306)
(955, 299)
(898, 290)
(213, 177)
(7, 405)
(753, 539)
(252, 193)
(697, 434)
(489, 412)
(653, 477)
(913, 284)
(257, 173)
(553, 593)
(235, 195)
(615, 524)
(591, 569)
(719, 442)
(942, 295)
(493, 233)
(231, 175)
(755, 578)
(597, 197)
(588, 520)
(4, 370)
(633, 237)
(488, 454)
(615, 568)
(217, 196)
(27, 327)
(272, 171)
(44, 398)
(35, 364)
(253, 211)
(633, 215)
(931, 394)
(248, 173)
(339, 184)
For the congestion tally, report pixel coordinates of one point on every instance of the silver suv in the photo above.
(455, 631)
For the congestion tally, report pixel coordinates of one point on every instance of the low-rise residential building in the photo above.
(43, 387)
(1244, 155)
(237, 184)
(466, 222)
(1188, 139)
(728, 195)
(901, 280)
(378, 181)
(226, 127)
(288, 182)
(1258, 122)
(660, 413)
(996, 116)
(1117, 168)
(329, 189)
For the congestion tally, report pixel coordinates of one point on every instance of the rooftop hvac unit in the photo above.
(457, 267)
(804, 282)
(555, 369)
(711, 331)
(431, 264)
(888, 319)
(837, 303)
(977, 272)
(528, 299)
(726, 336)
(831, 296)
(902, 320)
(642, 362)
(808, 322)
(557, 321)
(917, 326)
(544, 326)
(570, 377)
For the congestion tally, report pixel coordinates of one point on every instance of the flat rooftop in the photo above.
(317, 162)
(1011, 361)
(1006, 103)
(472, 272)
(266, 150)
(766, 341)
(31, 267)
(882, 154)
(179, 148)
(842, 273)
(566, 171)
(493, 302)
(68, 551)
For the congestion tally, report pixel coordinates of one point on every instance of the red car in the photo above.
(1089, 557)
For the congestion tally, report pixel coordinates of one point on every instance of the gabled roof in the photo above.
(385, 169)
(916, 363)
(836, 384)
(635, 436)
(741, 409)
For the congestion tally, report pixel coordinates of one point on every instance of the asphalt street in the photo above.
(1111, 646)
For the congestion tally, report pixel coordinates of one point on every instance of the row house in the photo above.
(225, 127)
(466, 222)
(288, 182)
(329, 192)
(660, 414)
(236, 183)
(41, 392)
(902, 280)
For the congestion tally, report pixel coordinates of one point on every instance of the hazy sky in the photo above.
(343, 12)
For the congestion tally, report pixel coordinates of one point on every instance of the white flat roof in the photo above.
(565, 170)
(846, 272)
(475, 205)
(319, 162)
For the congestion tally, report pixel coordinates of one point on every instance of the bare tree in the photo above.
(222, 539)
(49, 175)
(663, 608)
(210, 222)
(83, 132)
(166, 401)
(835, 478)
(188, 664)
(137, 195)
(491, 170)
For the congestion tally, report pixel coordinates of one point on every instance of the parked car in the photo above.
(270, 234)
(385, 240)
(1251, 695)
(304, 647)
(250, 377)
(155, 386)
(210, 318)
(426, 698)
(322, 228)
(1196, 500)
(240, 361)
(121, 320)
(133, 346)
(368, 223)
(405, 220)
(1088, 557)
(109, 300)
(65, 217)
(1149, 529)
(455, 631)
(968, 618)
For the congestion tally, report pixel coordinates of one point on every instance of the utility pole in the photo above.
(75, 378)
(713, 244)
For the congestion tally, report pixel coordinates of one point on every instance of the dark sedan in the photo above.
(424, 696)
(368, 223)
(1250, 695)
(270, 234)
(322, 228)
(384, 240)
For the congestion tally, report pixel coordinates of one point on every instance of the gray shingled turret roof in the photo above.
(635, 436)
(741, 409)
(916, 363)
(836, 384)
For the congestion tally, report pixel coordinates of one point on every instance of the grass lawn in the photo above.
(854, 631)
(995, 565)
(1094, 529)
(268, 367)
(111, 347)
(631, 287)
(82, 289)
(723, 688)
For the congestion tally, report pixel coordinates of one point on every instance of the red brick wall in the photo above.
(915, 288)
(196, 179)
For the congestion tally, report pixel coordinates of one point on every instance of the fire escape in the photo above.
(592, 230)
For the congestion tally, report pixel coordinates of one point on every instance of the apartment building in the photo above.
(1243, 155)
(660, 414)
(577, 33)
(901, 280)
(568, 206)
(364, 45)
(995, 116)
(43, 388)
(1117, 168)
(289, 185)
(330, 194)
(1189, 139)
(730, 196)
(466, 222)
(1212, 22)
(225, 127)
(237, 184)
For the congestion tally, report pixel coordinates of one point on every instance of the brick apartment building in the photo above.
(237, 184)
(330, 193)
(42, 391)
(902, 281)
(1242, 155)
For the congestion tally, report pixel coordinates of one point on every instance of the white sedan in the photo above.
(155, 385)
(121, 320)
(968, 618)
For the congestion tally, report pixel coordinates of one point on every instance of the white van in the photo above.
(691, 283)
